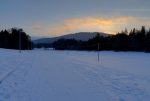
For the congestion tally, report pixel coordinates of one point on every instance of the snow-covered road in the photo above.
(40, 75)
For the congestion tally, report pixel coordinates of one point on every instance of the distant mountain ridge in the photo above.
(83, 36)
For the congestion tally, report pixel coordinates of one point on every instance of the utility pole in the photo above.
(19, 42)
(98, 51)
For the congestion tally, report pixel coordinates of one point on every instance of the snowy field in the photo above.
(47, 75)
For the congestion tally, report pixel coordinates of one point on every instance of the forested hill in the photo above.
(83, 36)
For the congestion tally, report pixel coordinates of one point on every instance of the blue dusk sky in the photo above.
(58, 17)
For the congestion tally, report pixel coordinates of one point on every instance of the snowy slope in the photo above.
(40, 75)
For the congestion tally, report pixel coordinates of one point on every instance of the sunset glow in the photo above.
(100, 24)
(54, 18)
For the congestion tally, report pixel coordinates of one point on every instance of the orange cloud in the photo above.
(89, 24)
(81, 24)
(101, 24)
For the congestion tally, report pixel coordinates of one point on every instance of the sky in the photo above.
(48, 18)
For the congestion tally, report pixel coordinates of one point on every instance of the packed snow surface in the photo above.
(48, 75)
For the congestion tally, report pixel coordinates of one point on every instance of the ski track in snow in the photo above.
(60, 76)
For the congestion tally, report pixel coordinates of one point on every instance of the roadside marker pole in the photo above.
(98, 51)
(19, 42)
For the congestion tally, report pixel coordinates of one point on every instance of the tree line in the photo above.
(135, 40)
(11, 39)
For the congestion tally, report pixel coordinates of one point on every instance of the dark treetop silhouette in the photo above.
(10, 39)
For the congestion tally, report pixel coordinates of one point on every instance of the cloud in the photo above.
(110, 25)
(101, 24)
